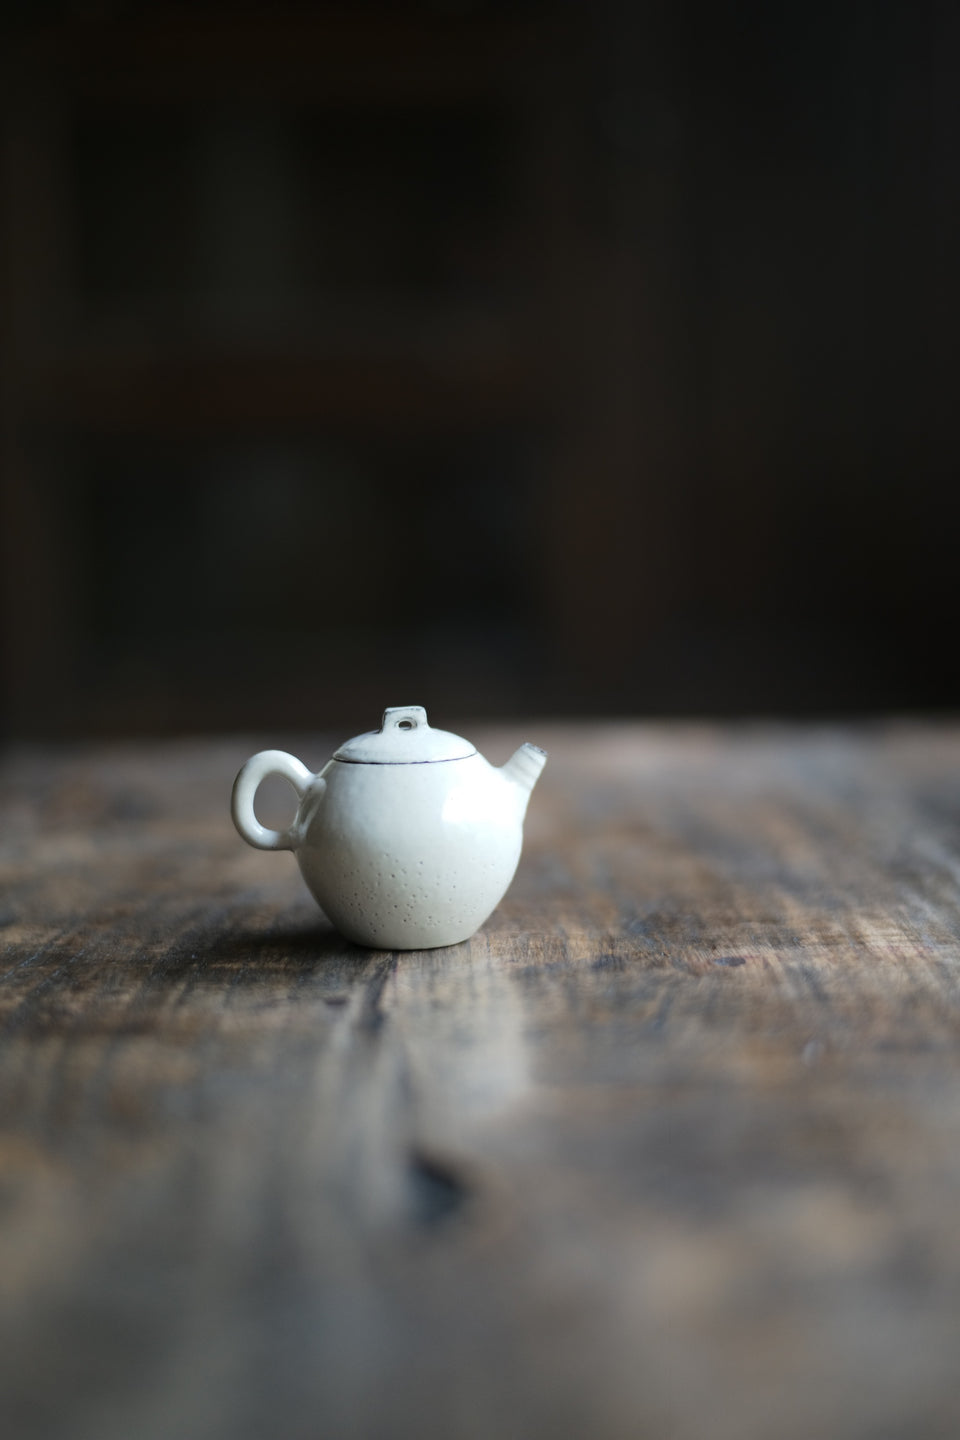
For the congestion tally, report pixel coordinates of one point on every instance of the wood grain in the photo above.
(671, 1148)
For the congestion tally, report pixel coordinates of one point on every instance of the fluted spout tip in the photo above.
(524, 766)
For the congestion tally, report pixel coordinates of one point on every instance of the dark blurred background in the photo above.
(506, 358)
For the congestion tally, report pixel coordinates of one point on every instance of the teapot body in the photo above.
(408, 857)
(407, 838)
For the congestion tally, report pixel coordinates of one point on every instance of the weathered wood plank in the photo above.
(672, 1147)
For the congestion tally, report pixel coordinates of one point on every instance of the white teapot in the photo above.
(407, 837)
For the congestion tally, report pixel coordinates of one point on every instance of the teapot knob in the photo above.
(404, 717)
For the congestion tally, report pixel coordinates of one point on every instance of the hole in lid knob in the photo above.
(406, 724)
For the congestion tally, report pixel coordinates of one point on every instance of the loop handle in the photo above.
(257, 769)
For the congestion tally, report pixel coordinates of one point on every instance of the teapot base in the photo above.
(410, 935)
(405, 945)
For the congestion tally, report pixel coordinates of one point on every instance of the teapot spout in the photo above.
(523, 769)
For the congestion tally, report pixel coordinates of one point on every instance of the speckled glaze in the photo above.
(407, 838)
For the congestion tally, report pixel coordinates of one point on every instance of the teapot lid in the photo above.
(404, 738)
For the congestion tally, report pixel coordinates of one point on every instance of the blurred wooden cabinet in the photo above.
(495, 356)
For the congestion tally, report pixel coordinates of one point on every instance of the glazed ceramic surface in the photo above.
(407, 837)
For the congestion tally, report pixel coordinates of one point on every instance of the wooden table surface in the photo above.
(671, 1149)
